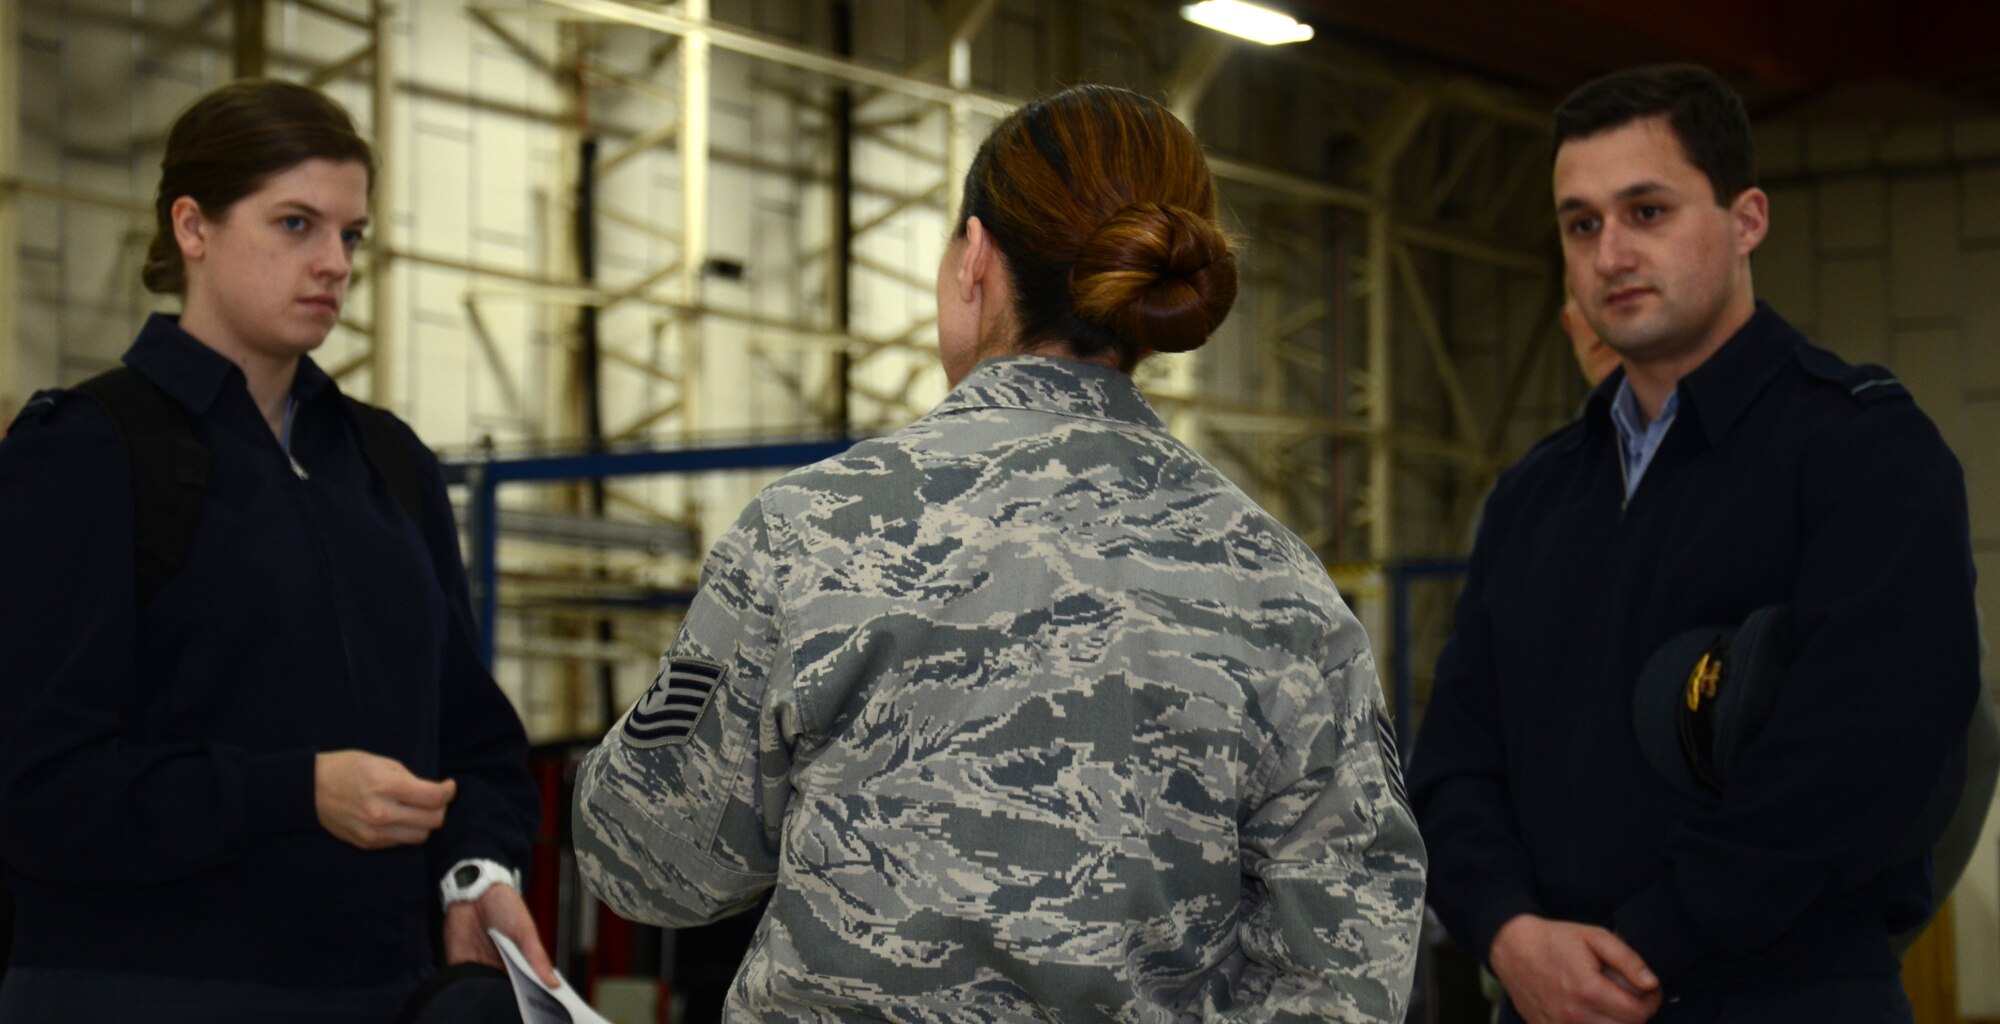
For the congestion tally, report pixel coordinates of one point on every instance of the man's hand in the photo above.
(1559, 972)
(374, 802)
(500, 907)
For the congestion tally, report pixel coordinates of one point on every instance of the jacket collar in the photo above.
(1064, 387)
(195, 375)
(1722, 389)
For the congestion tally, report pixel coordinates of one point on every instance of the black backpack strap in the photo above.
(383, 442)
(169, 468)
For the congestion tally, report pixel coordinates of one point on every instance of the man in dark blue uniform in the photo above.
(1728, 465)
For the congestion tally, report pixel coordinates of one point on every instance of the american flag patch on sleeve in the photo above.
(674, 704)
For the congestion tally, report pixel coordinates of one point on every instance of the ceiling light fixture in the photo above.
(1258, 24)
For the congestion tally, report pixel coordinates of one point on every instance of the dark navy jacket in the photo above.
(156, 764)
(1789, 478)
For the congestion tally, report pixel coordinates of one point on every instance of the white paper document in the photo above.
(539, 1003)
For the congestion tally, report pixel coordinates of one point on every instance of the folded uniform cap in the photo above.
(1704, 693)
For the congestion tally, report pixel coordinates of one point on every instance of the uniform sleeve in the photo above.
(482, 745)
(1481, 876)
(1333, 865)
(85, 797)
(678, 809)
(1865, 722)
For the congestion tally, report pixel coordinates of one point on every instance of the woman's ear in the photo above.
(976, 262)
(190, 230)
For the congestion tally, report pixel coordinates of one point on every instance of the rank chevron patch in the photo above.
(670, 709)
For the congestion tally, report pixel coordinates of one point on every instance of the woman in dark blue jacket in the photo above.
(236, 769)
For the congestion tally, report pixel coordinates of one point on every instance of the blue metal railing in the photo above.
(484, 475)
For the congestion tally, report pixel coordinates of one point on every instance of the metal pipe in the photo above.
(589, 364)
(691, 24)
(1381, 396)
(589, 375)
(246, 39)
(1458, 243)
(384, 375)
(12, 184)
(843, 218)
(694, 199)
(12, 391)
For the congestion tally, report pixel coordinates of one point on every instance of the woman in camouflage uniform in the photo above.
(1024, 712)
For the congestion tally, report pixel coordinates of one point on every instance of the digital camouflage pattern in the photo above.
(1028, 715)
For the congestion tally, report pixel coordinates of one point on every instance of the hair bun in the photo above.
(1158, 276)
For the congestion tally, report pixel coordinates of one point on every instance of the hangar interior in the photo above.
(609, 229)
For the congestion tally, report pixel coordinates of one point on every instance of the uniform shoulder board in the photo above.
(1867, 384)
(39, 407)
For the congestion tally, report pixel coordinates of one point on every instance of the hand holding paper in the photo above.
(539, 1003)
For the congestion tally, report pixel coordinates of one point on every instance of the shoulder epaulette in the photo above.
(1867, 383)
(39, 407)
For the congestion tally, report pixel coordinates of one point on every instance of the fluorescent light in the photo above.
(1258, 24)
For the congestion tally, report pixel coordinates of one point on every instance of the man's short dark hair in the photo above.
(1703, 111)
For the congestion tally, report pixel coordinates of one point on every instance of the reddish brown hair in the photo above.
(229, 143)
(1102, 205)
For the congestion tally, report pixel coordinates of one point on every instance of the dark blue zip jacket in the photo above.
(156, 764)
(1788, 478)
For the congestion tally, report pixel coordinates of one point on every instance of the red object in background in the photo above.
(613, 954)
(545, 860)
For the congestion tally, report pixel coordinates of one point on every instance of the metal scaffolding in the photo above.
(1400, 211)
(1359, 407)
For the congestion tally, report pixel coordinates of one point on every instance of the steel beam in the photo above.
(1458, 243)
(753, 45)
(1200, 61)
(1427, 325)
(1386, 139)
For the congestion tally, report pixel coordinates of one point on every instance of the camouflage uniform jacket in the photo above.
(1027, 714)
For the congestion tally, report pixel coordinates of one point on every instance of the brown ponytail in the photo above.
(1103, 207)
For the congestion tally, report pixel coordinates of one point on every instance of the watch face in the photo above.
(465, 875)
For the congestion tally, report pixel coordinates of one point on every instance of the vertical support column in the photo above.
(958, 143)
(958, 137)
(694, 205)
(385, 370)
(247, 38)
(1381, 395)
(1386, 138)
(12, 390)
(843, 221)
(1266, 327)
(1201, 58)
(483, 570)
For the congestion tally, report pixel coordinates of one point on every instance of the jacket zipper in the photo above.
(332, 580)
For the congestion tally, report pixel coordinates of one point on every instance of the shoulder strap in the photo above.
(382, 441)
(1866, 383)
(169, 468)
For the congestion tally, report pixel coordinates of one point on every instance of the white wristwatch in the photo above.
(469, 879)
